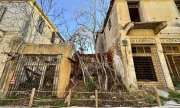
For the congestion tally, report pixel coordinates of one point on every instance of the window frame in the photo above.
(135, 4)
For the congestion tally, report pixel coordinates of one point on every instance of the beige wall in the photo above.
(16, 17)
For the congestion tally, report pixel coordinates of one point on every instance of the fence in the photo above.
(91, 99)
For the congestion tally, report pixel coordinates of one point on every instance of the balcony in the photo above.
(157, 26)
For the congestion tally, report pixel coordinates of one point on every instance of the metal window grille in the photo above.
(36, 71)
(143, 63)
(144, 69)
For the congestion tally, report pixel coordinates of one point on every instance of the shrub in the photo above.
(90, 85)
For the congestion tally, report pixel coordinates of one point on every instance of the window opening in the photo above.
(144, 68)
(143, 63)
(109, 24)
(41, 24)
(178, 5)
(134, 11)
(53, 37)
(141, 49)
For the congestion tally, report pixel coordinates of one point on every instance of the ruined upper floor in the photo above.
(26, 19)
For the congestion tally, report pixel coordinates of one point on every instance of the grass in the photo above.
(174, 96)
(4, 102)
(90, 85)
(151, 101)
(176, 82)
(78, 96)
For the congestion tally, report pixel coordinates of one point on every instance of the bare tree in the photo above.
(89, 21)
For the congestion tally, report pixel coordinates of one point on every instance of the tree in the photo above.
(89, 21)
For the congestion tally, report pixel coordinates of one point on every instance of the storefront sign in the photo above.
(171, 40)
(145, 40)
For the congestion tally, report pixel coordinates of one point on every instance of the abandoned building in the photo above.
(32, 52)
(143, 37)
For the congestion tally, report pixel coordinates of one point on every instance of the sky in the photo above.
(68, 10)
(66, 23)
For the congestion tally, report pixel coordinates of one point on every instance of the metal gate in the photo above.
(36, 71)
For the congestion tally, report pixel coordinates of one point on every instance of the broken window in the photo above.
(41, 24)
(178, 4)
(2, 12)
(144, 68)
(36, 71)
(134, 11)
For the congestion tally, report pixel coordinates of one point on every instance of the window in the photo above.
(143, 63)
(41, 25)
(178, 4)
(171, 49)
(53, 37)
(144, 68)
(2, 12)
(141, 49)
(109, 24)
(134, 11)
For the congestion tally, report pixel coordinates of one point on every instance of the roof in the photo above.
(39, 10)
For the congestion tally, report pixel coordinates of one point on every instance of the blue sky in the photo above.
(68, 10)
(67, 19)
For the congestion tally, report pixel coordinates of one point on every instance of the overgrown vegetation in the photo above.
(53, 103)
(151, 101)
(176, 82)
(174, 96)
(4, 102)
(90, 85)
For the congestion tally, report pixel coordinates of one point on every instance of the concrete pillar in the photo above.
(164, 66)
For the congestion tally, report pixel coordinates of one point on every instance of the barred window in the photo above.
(144, 68)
